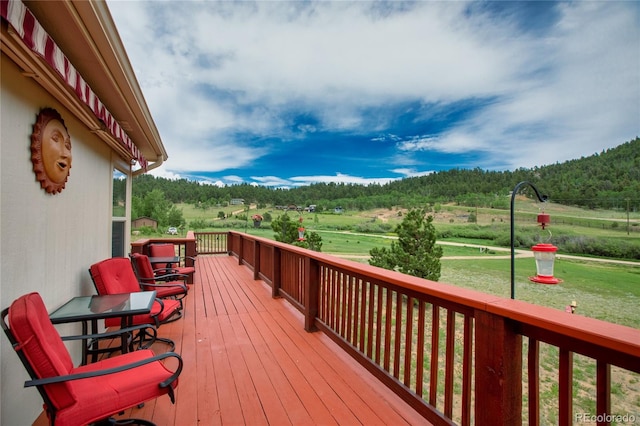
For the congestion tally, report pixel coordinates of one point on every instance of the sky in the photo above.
(290, 93)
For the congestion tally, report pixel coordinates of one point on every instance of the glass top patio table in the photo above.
(86, 308)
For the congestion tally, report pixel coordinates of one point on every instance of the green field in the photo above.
(607, 291)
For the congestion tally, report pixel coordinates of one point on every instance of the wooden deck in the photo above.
(248, 361)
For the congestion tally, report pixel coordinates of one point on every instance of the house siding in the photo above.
(48, 241)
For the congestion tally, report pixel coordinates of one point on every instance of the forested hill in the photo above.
(610, 179)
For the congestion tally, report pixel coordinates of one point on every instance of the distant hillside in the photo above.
(610, 179)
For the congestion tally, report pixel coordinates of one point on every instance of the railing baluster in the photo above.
(420, 348)
(603, 392)
(565, 388)
(370, 329)
(408, 340)
(397, 336)
(344, 287)
(387, 330)
(435, 344)
(349, 318)
(356, 311)
(362, 314)
(449, 362)
(378, 325)
(467, 368)
(533, 375)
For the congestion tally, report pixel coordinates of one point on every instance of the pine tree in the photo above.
(415, 253)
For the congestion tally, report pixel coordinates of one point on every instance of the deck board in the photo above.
(249, 361)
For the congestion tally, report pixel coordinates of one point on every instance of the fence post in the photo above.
(256, 260)
(498, 390)
(310, 285)
(190, 249)
(275, 284)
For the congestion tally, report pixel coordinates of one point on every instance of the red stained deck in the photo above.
(248, 360)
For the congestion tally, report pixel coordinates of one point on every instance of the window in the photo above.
(119, 214)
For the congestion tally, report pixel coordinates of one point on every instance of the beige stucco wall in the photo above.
(47, 242)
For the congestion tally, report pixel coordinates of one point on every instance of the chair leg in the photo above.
(116, 422)
(144, 340)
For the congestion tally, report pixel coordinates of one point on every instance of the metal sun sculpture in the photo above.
(51, 151)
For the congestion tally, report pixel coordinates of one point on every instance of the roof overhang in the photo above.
(85, 33)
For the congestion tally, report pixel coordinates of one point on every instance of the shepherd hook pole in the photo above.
(542, 198)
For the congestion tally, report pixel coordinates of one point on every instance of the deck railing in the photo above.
(454, 354)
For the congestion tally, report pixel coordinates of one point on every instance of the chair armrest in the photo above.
(172, 284)
(107, 371)
(168, 277)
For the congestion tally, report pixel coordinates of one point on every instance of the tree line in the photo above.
(608, 180)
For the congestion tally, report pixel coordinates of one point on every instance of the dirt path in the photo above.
(519, 253)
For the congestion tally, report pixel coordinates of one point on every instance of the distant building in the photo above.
(338, 210)
(144, 221)
(237, 201)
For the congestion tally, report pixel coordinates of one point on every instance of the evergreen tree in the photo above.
(286, 231)
(415, 253)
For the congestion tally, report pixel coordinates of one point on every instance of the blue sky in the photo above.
(288, 93)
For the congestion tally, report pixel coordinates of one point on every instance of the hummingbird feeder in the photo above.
(545, 255)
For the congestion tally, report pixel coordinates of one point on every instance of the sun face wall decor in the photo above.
(51, 151)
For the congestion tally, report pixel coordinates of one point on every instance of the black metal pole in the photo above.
(542, 198)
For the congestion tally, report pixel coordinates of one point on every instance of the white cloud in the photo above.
(211, 71)
(337, 178)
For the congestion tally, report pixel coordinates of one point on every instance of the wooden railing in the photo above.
(455, 355)
(211, 242)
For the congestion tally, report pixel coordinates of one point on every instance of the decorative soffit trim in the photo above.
(36, 39)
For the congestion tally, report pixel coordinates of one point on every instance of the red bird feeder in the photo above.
(545, 255)
(300, 230)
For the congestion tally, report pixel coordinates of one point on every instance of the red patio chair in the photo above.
(171, 286)
(168, 250)
(115, 276)
(89, 393)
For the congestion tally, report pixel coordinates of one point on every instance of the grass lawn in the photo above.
(605, 291)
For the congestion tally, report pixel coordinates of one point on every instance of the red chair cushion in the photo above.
(145, 272)
(108, 395)
(168, 250)
(144, 268)
(114, 276)
(42, 346)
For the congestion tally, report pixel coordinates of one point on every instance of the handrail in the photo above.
(391, 323)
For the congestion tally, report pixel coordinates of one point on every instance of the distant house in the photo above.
(237, 201)
(144, 221)
(338, 210)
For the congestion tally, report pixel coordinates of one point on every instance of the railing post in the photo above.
(498, 390)
(190, 249)
(310, 285)
(256, 260)
(230, 246)
(240, 249)
(275, 283)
